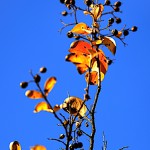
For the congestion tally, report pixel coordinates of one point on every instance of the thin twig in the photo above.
(57, 140)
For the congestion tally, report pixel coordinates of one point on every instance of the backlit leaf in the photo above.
(33, 94)
(110, 44)
(42, 106)
(81, 47)
(93, 78)
(38, 147)
(81, 28)
(15, 145)
(49, 84)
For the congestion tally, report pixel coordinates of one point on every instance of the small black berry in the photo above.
(62, 1)
(118, 20)
(134, 28)
(79, 133)
(43, 69)
(80, 144)
(107, 2)
(111, 20)
(37, 78)
(23, 85)
(64, 13)
(71, 146)
(125, 32)
(114, 32)
(116, 9)
(67, 1)
(88, 2)
(70, 34)
(62, 136)
(118, 4)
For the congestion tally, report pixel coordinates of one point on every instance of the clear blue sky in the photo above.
(29, 39)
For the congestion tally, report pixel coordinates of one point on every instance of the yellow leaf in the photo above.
(49, 84)
(14, 146)
(38, 147)
(110, 44)
(81, 28)
(73, 104)
(42, 106)
(33, 94)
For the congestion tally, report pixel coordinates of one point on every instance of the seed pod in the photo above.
(43, 69)
(125, 32)
(23, 85)
(134, 28)
(62, 136)
(70, 34)
(37, 78)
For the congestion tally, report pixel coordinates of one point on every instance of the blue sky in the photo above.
(30, 39)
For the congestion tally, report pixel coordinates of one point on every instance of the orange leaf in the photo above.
(49, 84)
(42, 106)
(33, 94)
(73, 104)
(110, 44)
(93, 78)
(78, 59)
(81, 28)
(82, 68)
(81, 47)
(14, 145)
(38, 147)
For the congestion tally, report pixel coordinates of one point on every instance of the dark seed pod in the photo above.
(125, 32)
(37, 78)
(80, 144)
(107, 2)
(111, 20)
(134, 28)
(114, 32)
(71, 146)
(62, 136)
(62, 1)
(116, 9)
(23, 85)
(43, 69)
(70, 34)
(118, 20)
(79, 133)
(118, 4)
(64, 13)
(88, 2)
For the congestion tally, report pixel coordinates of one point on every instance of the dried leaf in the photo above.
(81, 47)
(82, 68)
(93, 78)
(110, 44)
(97, 11)
(56, 108)
(42, 106)
(15, 145)
(49, 84)
(33, 94)
(81, 28)
(73, 104)
(119, 34)
(38, 147)
(97, 42)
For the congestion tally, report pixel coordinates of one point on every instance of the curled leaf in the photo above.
(15, 145)
(42, 106)
(110, 44)
(49, 84)
(81, 28)
(73, 104)
(97, 11)
(38, 147)
(33, 94)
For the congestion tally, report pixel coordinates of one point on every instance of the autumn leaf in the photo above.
(38, 147)
(42, 106)
(33, 94)
(81, 28)
(49, 84)
(110, 44)
(15, 145)
(81, 47)
(92, 77)
(73, 104)
(97, 11)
